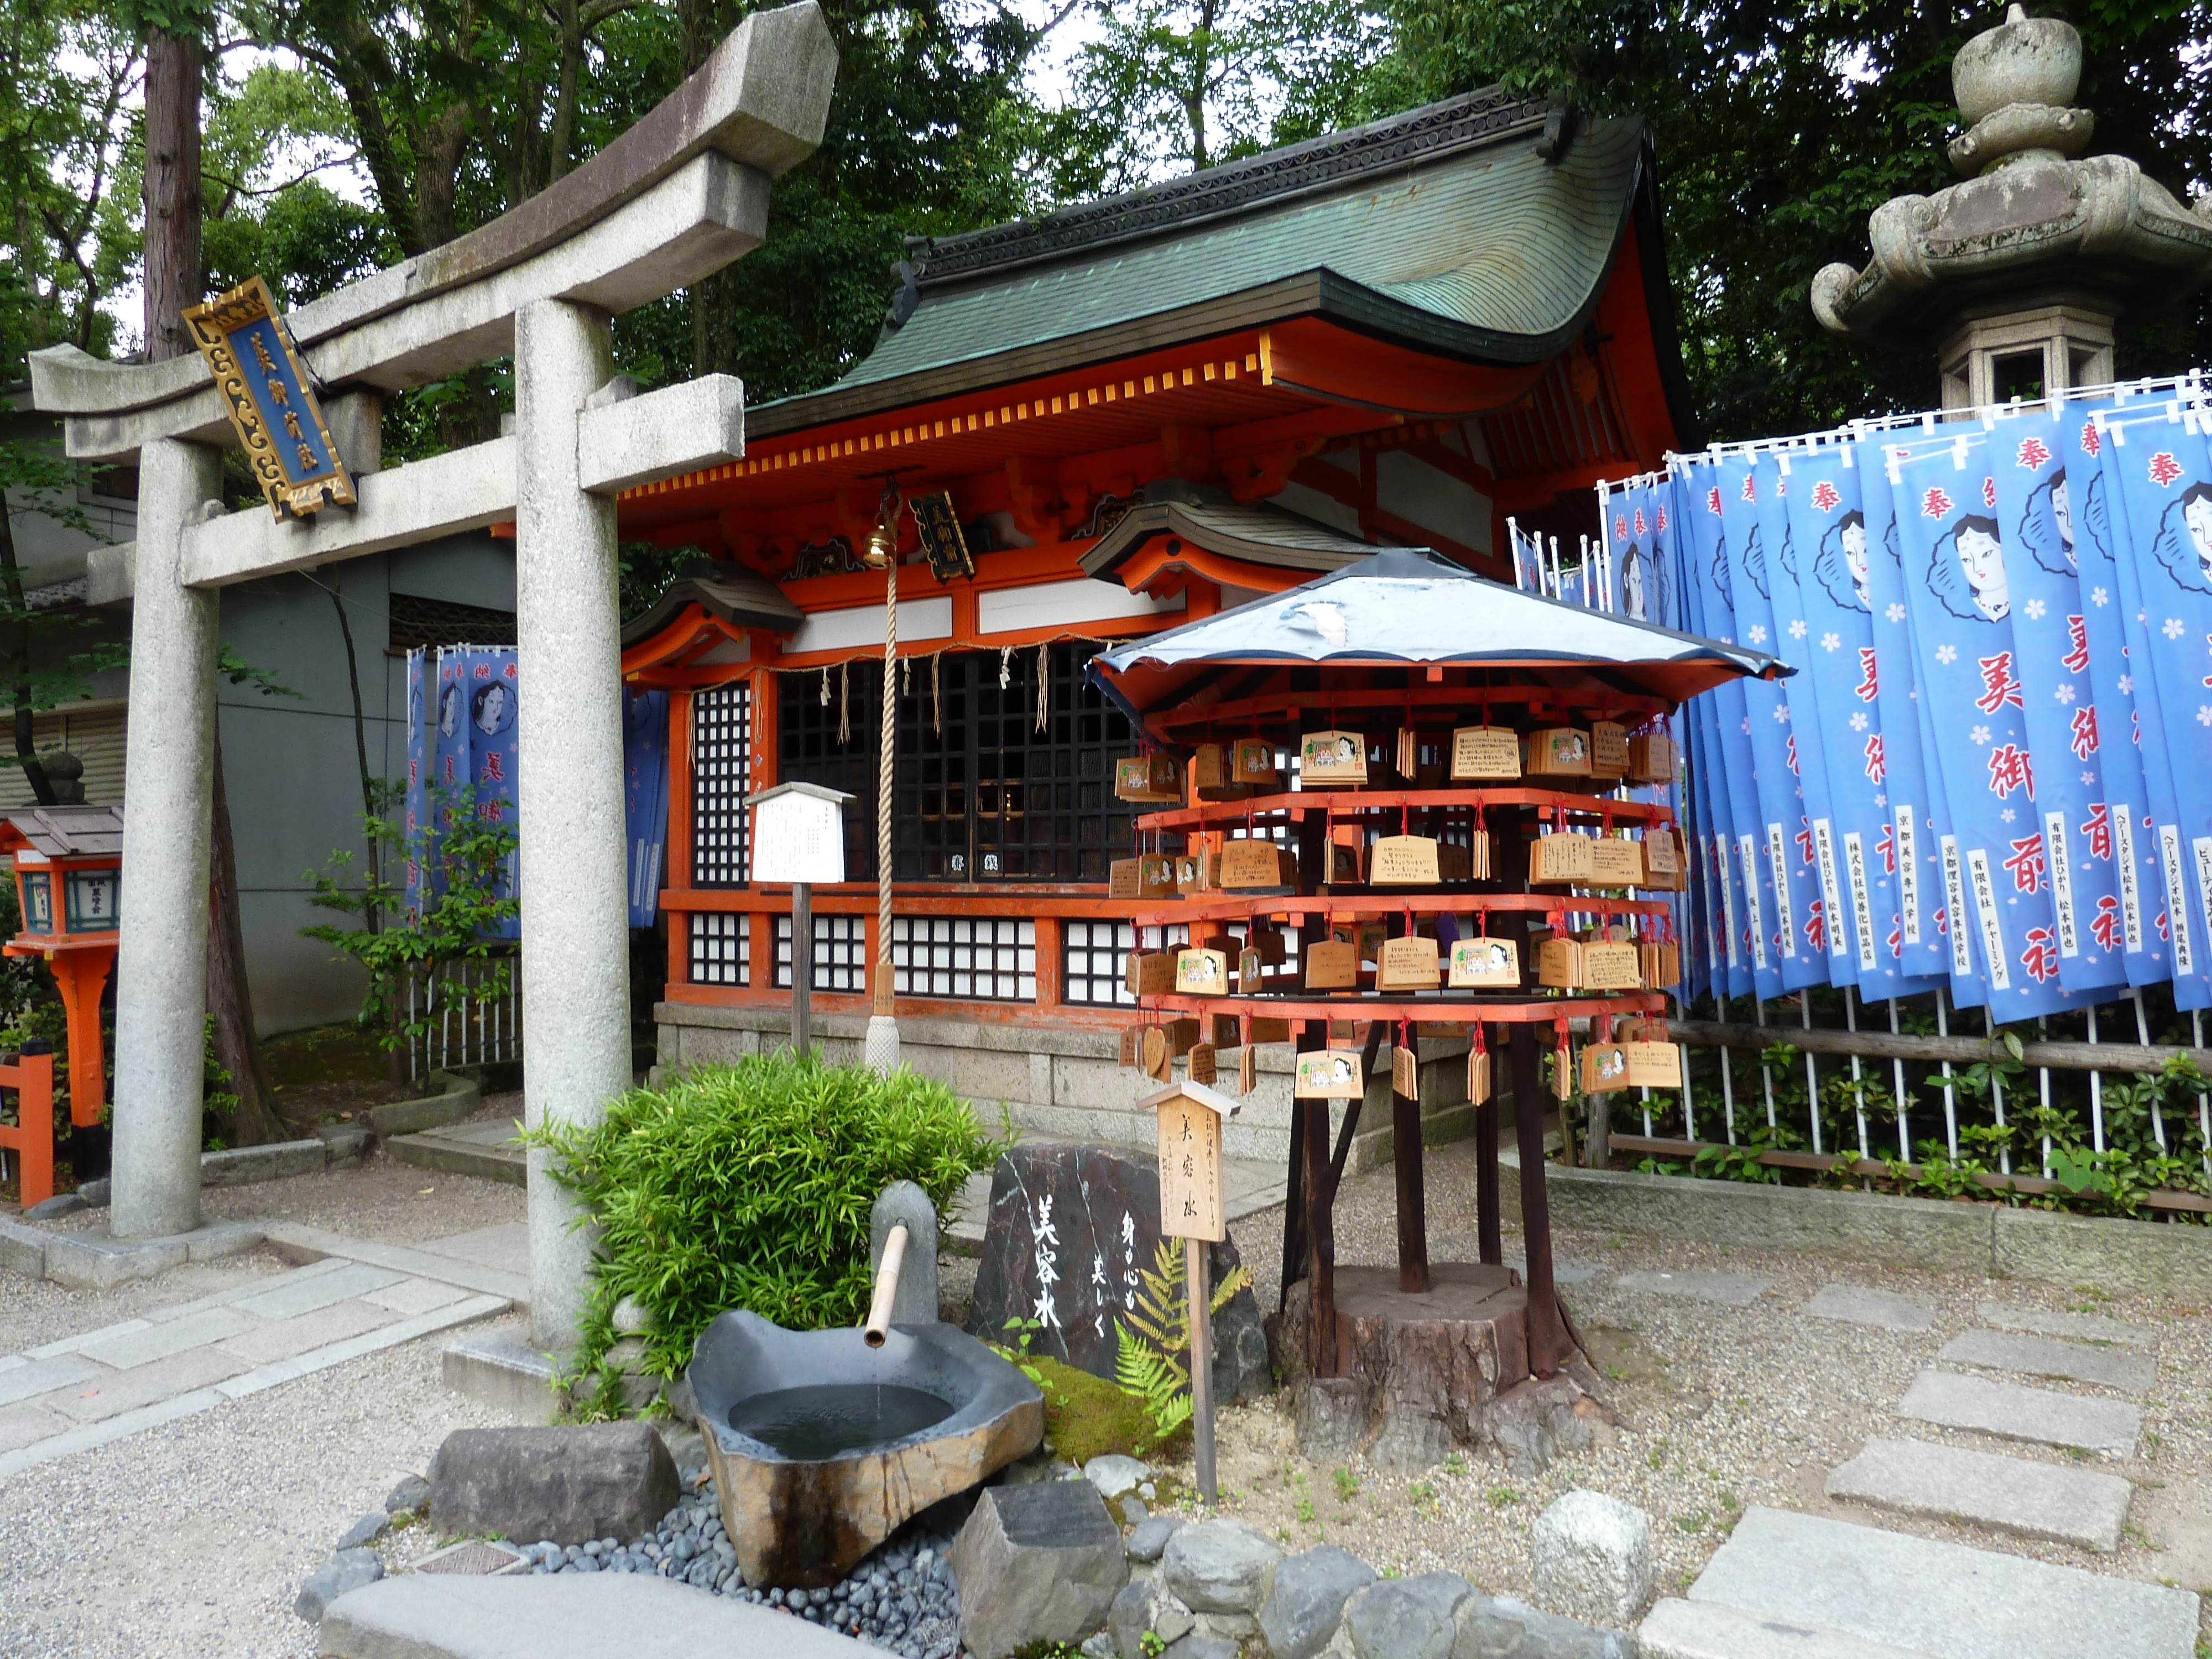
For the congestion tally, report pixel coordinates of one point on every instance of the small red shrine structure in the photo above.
(1145, 410)
(68, 884)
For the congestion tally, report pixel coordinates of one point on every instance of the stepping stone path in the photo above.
(2005, 1494)
(1733, 1290)
(1795, 1586)
(1871, 1592)
(2043, 1356)
(100, 1386)
(2014, 1413)
(1857, 1306)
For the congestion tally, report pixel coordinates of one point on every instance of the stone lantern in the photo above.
(68, 883)
(2018, 278)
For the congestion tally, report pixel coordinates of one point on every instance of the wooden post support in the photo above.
(802, 967)
(1201, 1364)
(1547, 1340)
(1193, 1208)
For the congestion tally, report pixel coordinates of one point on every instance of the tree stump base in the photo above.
(1426, 1374)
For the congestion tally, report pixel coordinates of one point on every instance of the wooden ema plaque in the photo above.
(1483, 751)
(1202, 1063)
(1404, 1071)
(1266, 1028)
(1608, 754)
(1331, 760)
(1407, 964)
(1194, 873)
(1151, 876)
(1209, 767)
(1344, 862)
(1148, 778)
(1558, 964)
(1616, 863)
(1404, 861)
(1252, 863)
(1561, 751)
(1201, 973)
(1605, 1068)
(1252, 761)
(1654, 1065)
(1151, 973)
(1191, 1196)
(1330, 1074)
(1485, 963)
(1478, 1076)
(1331, 965)
(1651, 759)
(1660, 856)
(1661, 964)
(1183, 1035)
(1564, 857)
(1251, 971)
(1608, 966)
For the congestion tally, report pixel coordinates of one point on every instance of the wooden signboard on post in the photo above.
(1193, 1208)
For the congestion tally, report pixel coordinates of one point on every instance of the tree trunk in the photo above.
(19, 664)
(230, 1004)
(172, 190)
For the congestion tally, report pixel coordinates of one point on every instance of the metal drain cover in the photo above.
(475, 1559)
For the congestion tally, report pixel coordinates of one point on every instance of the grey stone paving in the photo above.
(288, 1296)
(1733, 1290)
(1858, 1305)
(1926, 1597)
(1564, 1271)
(2015, 1411)
(2083, 1327)
(2007, 1494)
(2045, 1356)
(144, 1347)
(40, 1377)
(1705, 1630)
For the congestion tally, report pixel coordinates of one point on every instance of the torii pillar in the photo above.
(678, 196)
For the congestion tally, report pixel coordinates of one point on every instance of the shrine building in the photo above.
(1147, 410)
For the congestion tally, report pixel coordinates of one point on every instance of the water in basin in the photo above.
(807, 1424)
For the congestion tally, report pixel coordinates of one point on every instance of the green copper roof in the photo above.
(1444, 226)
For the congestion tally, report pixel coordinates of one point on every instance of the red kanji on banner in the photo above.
(1639, 521)
(2162, 931)
(2208, 640)
(1942, 918)
(1877, 767)
(2033, 454)
(451, 776)
(494, 768)
(508, 671)
(1816, 927)
(2096, 830)
(1805, 841)
(1620, 528)
(1935, 504)
(1827, 497)
(1999, 688)
(1789, 755)
(1869, 687)
(2092, 442)
(2076, 659)
(1713, 502)
(1750, 487)
(2104, 926)
(483, 671)
(2040, 959)
(2084, 740)
(2026, 864)
(1989, 492)
(1888, 848)
(1662, 518)
(2011, 768)
(2164, 469)
(1896, 935)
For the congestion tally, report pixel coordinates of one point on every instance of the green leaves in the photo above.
(751, 1185)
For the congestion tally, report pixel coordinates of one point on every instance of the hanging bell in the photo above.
(883, 540)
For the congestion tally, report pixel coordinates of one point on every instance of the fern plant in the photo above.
(1153, 1353)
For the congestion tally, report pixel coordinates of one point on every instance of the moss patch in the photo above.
(1087, 1417)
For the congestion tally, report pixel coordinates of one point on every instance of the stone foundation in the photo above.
(1068, 1083)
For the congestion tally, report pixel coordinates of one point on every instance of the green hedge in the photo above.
(751, 1185)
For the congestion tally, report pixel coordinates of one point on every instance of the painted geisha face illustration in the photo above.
(2061, 509)
(1632, 585)
(2197, 514)
(491, 708)
(1346, 753)
(2183, 541)
(1982, 558)
(1854, 553)
(449, 710)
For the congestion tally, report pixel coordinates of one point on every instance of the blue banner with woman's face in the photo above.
(2035, 516)
(1830, 569)
(1958, 595)
(411, 804)
(645, 798)
(489, 686)
(2158, 470)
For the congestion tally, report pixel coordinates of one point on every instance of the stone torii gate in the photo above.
(678, 196)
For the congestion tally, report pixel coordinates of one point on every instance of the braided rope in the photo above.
(889, 717)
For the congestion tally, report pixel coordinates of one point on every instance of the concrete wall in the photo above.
(1069, 1085)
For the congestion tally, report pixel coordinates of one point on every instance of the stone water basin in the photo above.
(823, 1446)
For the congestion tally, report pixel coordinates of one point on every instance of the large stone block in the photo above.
(1407, 1618)
(349, 1570)
(1500, 1627)
(1305, 1600)
(1218, 1566)
(1590, 1557)
(2122, 1257)
(1072, 1227)
(2007, 1494)
(1036, 1563)
(23, 1249)
(570, 1484)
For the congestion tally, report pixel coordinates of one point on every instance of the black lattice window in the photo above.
(416, 622)
(985, 958)
(841, 953)
(982, 793)
(721, 778)
(1093, 962)
(721, 947)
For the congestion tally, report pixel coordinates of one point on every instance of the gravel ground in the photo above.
(37, 1311)
(192, 1540)
(1719, 1408)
